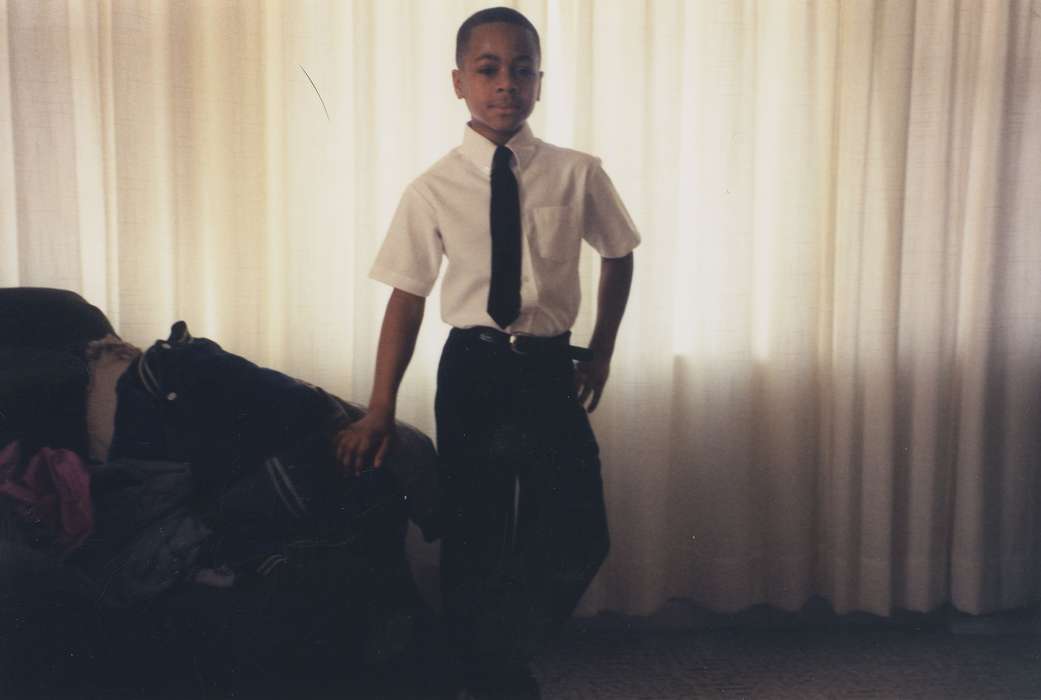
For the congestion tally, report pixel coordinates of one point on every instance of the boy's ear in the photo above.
(538, 92)
(457, 82)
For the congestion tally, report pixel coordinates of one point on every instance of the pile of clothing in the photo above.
(180, 508)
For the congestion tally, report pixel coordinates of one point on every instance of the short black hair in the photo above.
(487, 16)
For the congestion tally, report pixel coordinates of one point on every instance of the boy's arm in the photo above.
(366, 441)
(616, 275)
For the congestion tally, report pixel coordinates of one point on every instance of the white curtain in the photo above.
(828, 381)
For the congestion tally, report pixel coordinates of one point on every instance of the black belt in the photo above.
(528, 344)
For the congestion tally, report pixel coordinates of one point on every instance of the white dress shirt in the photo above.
(565, 197)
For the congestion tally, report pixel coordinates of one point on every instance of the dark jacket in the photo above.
(188, 400)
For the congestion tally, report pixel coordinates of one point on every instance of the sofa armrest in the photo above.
(55, 319)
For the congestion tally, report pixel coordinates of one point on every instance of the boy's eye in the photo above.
(487, 70)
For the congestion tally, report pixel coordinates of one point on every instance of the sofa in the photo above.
(225, 555)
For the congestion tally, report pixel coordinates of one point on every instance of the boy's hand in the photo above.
(365, 442)
(590, 378)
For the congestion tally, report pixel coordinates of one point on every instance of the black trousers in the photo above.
(526, 528)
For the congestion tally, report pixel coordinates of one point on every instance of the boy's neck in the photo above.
(499, 138)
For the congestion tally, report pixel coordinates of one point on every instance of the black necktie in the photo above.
(504, 291)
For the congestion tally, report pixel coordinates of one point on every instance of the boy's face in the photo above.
(499, 79)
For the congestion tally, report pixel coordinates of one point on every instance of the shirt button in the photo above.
(172, 396)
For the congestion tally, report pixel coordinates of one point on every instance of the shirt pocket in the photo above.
(556, 233)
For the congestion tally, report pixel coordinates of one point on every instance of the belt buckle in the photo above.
(513, 345)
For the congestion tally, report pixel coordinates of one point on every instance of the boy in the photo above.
(525, 529)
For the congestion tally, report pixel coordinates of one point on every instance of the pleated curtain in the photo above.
(828, 380)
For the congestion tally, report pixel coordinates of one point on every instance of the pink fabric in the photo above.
(54, 490)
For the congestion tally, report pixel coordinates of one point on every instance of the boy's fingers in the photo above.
(381, 453)
(581, 378)
(348, 449)
(357, 453)
(365, 456)
(596, 399)
(583, 394)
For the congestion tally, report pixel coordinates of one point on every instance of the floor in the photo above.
(777, 657)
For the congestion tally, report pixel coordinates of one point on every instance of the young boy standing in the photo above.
(525, 526)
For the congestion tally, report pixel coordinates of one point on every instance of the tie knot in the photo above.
(501, 159)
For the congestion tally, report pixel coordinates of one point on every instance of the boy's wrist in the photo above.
(382, 408)
(601, 349)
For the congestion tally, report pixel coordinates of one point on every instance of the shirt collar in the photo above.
(480, 150)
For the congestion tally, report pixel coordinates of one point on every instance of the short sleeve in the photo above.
(607, 225)
(410, 257)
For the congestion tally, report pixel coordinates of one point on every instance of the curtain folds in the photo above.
(828, 381)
